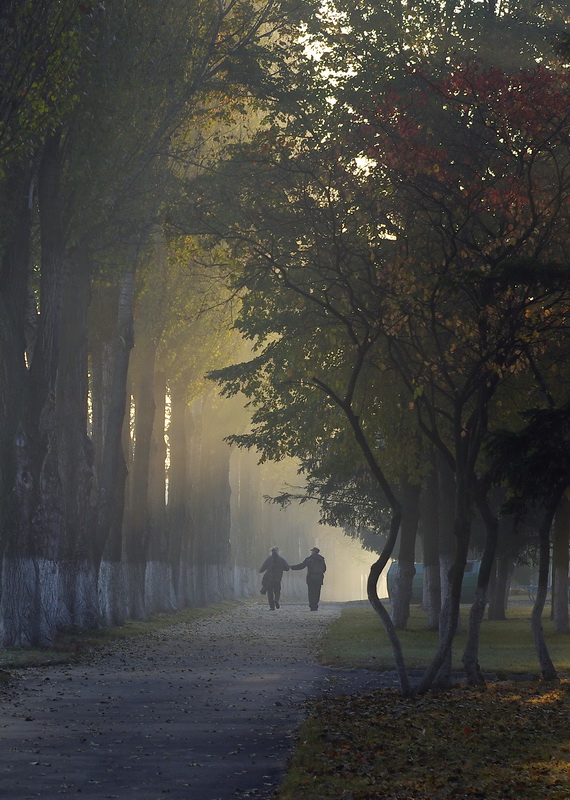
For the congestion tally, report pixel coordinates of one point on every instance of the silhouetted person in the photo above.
(316, 569)
(273, 568)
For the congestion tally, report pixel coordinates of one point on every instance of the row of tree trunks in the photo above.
(87, 536)
(48, 572)
(502, 542)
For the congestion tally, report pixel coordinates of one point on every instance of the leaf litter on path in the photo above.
(200, 711)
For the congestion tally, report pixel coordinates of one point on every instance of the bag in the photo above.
(265, 582)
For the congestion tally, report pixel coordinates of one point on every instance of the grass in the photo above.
(358, 639)
(511, 740)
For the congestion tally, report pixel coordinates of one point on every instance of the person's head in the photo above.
(274, 551)
(315, 551)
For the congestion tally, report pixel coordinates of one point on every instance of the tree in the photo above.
(438, 266)
(533, 462)
(560, 565)
(100, 161)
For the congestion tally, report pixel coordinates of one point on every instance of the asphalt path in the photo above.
(204, 711)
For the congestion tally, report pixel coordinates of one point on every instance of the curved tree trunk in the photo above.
(377, 568)
(372, 591)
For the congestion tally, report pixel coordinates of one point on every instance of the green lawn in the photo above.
(358, 639)
(510, 741)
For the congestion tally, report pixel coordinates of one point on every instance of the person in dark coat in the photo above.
(316, 569)
(273, 568)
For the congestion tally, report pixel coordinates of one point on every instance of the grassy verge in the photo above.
(73, 644)
(511, 740)
(357, 639)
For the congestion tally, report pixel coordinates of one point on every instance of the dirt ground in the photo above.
(207, 711)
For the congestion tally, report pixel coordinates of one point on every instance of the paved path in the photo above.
(206, 711)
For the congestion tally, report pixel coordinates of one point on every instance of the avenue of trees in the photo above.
(400, 222)
(106, 326)
(355, 217)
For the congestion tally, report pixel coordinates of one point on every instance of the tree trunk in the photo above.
(19, 612)
(546, 666)
(439, 670)
(471, 653)
(499, 595)
(139, 527)
(402, 591)
(48, 575)
(157, 490)
(159, 580)
(432, 578)
(76, 467)
(179, 518)
(561, 535)
(212, 544)
(248, 541)
(510, 542)
(37, 531)
(111, 417)
(372, 592)
(14, 377)
(447, 490)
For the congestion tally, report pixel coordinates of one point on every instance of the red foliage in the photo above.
(492, 146)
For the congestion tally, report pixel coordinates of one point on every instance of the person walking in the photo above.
(273, 568)
(316, 568)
